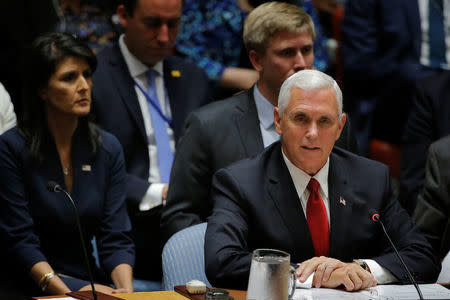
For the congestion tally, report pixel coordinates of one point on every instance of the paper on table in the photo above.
(380, 292)
(327, 294)
(406, 292)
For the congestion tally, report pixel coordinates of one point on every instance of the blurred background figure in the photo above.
(7, 115)
(90, 20)
(432, 212)
(54, 141)
(386, 46)
(21, 21)
(429, 120)
(211, 36)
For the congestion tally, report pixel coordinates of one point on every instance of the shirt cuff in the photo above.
(153, 197)
(382, 275)
(305, 285)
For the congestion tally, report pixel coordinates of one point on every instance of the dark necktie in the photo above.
(436, 33)
(316, 215)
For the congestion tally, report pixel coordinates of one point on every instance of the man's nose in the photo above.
(312, 131)
(300, 63)
(163, 33)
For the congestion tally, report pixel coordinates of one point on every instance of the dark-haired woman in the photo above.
(54, 141)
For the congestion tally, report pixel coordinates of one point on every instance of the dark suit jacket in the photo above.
(433, 205)
(38, 225)
(429, 120)
(116, 109)
(381, 42)
(256, 206)
(216, 136)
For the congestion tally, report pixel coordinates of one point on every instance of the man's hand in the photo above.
(322, 266)
(352, 276)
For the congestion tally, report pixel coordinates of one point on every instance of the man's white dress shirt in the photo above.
(301, 180)
(137, 69)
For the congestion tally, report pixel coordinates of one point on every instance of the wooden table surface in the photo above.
(166, 295)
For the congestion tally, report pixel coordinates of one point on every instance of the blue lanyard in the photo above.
(155, 106)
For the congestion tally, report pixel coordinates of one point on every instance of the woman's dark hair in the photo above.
(46, 53)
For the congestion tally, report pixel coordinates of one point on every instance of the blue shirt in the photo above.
(265, 116)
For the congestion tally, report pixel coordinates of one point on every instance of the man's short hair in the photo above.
(269, 18)
(130, 5)
(308, 80)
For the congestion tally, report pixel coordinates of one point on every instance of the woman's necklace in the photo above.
(66, 171)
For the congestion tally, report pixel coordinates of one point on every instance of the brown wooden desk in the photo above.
(167, 295)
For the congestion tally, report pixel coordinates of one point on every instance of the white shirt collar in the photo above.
(135, 66)
(301, 178)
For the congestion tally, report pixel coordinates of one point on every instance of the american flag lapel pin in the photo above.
(86, 168)
(342, 201)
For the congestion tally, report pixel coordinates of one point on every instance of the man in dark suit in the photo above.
(300, 197)
(428, 121)
(143, 95)
(432, 212)
(241, 126)
(384, 52)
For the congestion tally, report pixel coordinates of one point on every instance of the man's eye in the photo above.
(324, 121)
(153, 24)
(288, 52)
(306, 50)
(173, 23)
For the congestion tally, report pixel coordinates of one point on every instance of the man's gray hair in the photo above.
(307, 80)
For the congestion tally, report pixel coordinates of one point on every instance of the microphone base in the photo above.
(87, 295)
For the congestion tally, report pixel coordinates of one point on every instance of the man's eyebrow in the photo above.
(156, 18)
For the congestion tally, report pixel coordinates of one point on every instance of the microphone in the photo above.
(376, 218)
(56, 188)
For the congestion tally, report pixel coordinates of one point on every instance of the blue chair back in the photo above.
(183, 257)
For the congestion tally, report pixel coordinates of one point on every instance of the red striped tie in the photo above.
(316, 215)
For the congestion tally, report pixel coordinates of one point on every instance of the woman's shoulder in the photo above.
(110, 144)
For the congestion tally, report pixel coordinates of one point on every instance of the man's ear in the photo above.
(255, 59)
(341, 124)
(123, 15)
(277, 120)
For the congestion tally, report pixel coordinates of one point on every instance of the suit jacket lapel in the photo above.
(175, 94)
(247, 123)
(125, 85)
(340, 206)
(282, 191)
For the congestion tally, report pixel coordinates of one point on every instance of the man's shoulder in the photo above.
(433, 84)
(175, 62)
(441, 146)
(258, 164)
(108, 52)
(356, 163)
(107, 60)
(221, 110)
